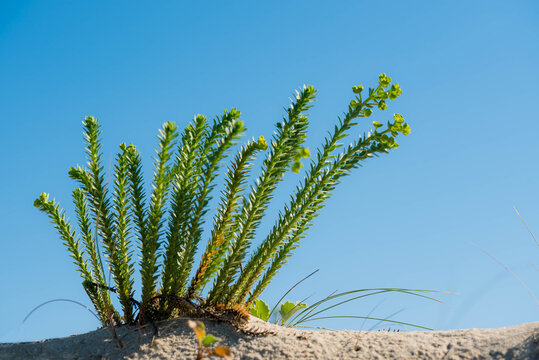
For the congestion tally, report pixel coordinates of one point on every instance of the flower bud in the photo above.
(310, 89)
(376, 124)
(234, 113)
(395, 91)
(398, 118)
(296, 167)
(305, 153)
(406, 129)
(367, 112)
(384, 80)
(262, 143)
(382, 105)
(381, 94)
(357, 89)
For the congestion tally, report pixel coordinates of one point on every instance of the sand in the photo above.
(268, 341)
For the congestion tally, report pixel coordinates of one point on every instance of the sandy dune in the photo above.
(267, 341)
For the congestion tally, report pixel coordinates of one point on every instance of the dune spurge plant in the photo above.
(165, 226)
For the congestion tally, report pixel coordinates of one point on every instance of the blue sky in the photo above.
(469, 74)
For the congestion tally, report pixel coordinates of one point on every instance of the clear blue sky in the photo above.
(469, 71)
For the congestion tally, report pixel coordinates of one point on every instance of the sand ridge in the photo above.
(261, 340)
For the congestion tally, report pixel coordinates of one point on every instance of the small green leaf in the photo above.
(238, 125)
(209, 339)
(260, 309)
(288, 309)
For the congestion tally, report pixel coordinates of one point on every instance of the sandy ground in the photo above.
(267, 341)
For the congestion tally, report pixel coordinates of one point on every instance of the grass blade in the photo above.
(509, 271)
(59, 300)
(289, 290)
(526, 225)
(370, 318)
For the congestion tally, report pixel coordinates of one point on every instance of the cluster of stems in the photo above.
(166, 227)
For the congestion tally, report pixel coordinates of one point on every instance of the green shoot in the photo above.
(205, 340)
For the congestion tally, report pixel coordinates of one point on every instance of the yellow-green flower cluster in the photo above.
(364, 108)
(398, 126)
(382, 94)
(378, 96)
